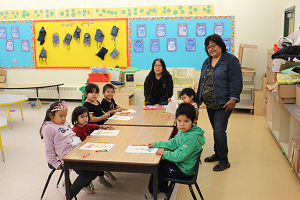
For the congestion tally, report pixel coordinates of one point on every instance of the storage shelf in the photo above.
(248, 84)
(244, 104)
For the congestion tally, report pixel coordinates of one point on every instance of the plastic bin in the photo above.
(99, 70)
(98, 78)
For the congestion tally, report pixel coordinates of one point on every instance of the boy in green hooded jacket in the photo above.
(183, 150)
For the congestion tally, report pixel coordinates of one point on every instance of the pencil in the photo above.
(86, 155)
(104, 150)
(139, 145)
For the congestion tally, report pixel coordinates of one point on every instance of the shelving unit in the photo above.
(246, 101)
(284, 122)
(183, 77)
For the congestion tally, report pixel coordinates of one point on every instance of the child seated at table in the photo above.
(96, 113)
(59, 140)
(108, 103)
(183, 150)
(83, 129)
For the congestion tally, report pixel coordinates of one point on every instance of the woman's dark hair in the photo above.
(216, 39)
(79, 110)
(188, 110)
(48, 113)
(90, 88)
(164, 72)
(189, 92)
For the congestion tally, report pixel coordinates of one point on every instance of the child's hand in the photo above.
(160, 152)
(151, 144)
(107, 127)
(88, 136)
(169, 99)
(119, 109)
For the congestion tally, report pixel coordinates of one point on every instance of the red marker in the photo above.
(139, 145)
(86, 155)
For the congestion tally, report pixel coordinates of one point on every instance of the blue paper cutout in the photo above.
(138, 45)
(227, 42)
(25, 46)
(9, 45)
(182, 30)
(141, 30)
(190, 44)
(160, 30)
(3, 33)
(219, 28)
(15, 33)
(171, 44)
(154, 45)
(201, 29)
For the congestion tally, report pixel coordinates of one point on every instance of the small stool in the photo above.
(3, 124)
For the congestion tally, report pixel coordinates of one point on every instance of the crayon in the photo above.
(86, 155)
(101, 142)
(139, 145)
(104, 150)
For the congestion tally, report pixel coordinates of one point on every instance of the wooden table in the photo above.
(116, 159)
(3, 124)
(8, 99)
(154, 118)
(14, 86)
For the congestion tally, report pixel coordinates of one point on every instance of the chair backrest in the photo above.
(193, 181)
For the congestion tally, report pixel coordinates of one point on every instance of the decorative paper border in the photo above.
(32, 44)
(168, 18)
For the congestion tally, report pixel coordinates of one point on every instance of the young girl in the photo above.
(188, 96)
(96, 113)
(83, 129)
(158, 86)
(59, 140)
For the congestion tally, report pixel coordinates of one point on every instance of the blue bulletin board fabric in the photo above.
(17, 59)
(181, 57)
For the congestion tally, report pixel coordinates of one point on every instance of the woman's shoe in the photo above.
(88, 190)
(104, 182)
(212, 158)
(221, 166)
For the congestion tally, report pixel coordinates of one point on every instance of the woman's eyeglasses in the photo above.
(157, 65)
(211, 47)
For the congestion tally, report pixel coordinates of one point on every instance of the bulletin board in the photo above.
(16, 45)
(80, 56)
(182, 56)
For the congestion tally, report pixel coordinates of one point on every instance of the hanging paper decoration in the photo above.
(219, 28)
(160, 30)
(9, 45)
(201, 29)
(190, 44)
(182, 30)
(15, 33)
(154, 45)
(25, 46)
(227, 43)
(3, 33)
(141, 30)
(172, 44)
(138, 45)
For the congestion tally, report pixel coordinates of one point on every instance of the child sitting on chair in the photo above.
(108, 103)
(183, 151)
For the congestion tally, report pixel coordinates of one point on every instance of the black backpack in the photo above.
(99, 37)
(87, 40)
(67, 40)
(76, 34)
(42, 35)
(102, 53)
(43, 56)
(55, 39)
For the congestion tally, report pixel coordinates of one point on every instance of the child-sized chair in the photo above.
(191, 182)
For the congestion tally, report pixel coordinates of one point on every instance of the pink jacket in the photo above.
(59, 140)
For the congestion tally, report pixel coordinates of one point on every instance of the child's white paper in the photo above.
(140, 149)
(172, 106)
(97, 146)
(105, 132)
(129, 110)
(121, 117)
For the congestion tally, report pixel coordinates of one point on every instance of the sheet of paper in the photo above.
(150, 107)
(172, 106)
(105, 132)
(121, 117)
(129, 110)
(140, 149)
(97, 146)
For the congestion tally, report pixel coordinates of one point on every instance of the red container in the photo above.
(98, 78)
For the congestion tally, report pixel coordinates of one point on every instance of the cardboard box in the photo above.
(286, 94)
(276, 64)
(271, 77)
(269, 60)
(298, 96)
(264, 82)
(259, 103)
(295, 155)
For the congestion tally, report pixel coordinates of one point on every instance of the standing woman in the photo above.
(220, 86)
(158, 86)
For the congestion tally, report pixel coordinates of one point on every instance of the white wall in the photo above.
(256, 22)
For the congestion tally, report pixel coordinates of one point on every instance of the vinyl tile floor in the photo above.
(258, 169)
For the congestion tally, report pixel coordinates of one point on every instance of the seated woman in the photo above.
(158, 86)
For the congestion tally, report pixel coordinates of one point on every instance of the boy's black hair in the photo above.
(79, 110)
(189, 92)
(47, 117)
(188, 110)
(105, 87)
(90, 87)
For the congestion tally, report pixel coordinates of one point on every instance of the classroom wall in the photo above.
(256, 22)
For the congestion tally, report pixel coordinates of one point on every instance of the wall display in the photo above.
(190, 44)
(201, 29)
(227, 43)
(3, 34)
(160, 30)
(182, 30)
(171, 44)
(176, 51)
(141, 30)
(154, 45)
(138, 46)
(219, 28)
(15, 33)
(17, 45)
(79, 56)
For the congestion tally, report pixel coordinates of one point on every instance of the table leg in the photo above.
(9, 117)
(21, 110)
(67, 181)
(37, 97)
(155, 184)
(57, 87)
(2, 151)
